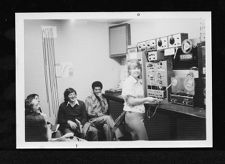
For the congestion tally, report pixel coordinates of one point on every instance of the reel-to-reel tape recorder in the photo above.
(184, 90)
(187, 71)
(176, 78)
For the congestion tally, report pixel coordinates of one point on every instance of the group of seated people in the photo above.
(87, 120)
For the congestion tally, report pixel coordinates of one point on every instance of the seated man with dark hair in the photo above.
(72, 115)
(97, 108)
(36, 125)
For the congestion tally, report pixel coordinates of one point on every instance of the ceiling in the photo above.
(111, 21)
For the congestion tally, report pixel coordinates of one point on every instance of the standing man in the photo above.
(72, 114)
(97, 108)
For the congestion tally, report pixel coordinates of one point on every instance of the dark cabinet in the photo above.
(115, 108)
(166, 125)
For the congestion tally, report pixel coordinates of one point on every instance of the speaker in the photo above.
(119, 39)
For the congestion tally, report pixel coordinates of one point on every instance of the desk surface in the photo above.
(192, 111)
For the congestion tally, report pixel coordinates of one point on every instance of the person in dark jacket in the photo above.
(36, 128)
(72, 114)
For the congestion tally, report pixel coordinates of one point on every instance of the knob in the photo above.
(159, 42)
(172, 41)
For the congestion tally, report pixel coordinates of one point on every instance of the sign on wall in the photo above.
(64, 69)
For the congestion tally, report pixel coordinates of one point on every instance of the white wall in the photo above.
(86, 45)
(33, 62)
(83, 43)
(142, 30)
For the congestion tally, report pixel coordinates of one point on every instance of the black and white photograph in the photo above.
(113, 80)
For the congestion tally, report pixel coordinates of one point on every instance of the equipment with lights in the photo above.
(141, 46)
(162, 43)
(188, 72)
(156, 77)
(176, 75)
(151, 45)
(176, 40)
(186, 56)
(132, 53)
(154, 55)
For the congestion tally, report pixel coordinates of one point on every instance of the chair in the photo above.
(120, 123)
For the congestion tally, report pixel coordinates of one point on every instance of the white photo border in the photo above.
(20, 123)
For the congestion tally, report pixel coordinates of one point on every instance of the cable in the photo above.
(175, 53)
(149, 110)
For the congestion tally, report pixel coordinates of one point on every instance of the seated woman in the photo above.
(36, 126)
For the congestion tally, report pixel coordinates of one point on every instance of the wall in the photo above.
(142, 30)
(83, 43)
(33, 62)
(86, 45)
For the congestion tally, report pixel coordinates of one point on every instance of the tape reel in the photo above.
(187, 46)
(173, 81)
(189, 82)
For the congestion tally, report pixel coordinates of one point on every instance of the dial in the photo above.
(172, 40)
(189, 82)
(159, 42)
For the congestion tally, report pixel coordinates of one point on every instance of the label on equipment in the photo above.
(169, 51)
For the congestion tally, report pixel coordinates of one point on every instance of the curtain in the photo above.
(48, 35)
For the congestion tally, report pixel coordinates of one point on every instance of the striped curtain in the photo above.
(48, 35)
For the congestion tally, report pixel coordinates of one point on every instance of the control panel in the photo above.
(151, 45)
(176, 39)
(154, 55)
(141, 46)
(162, 43)
(157, 80)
